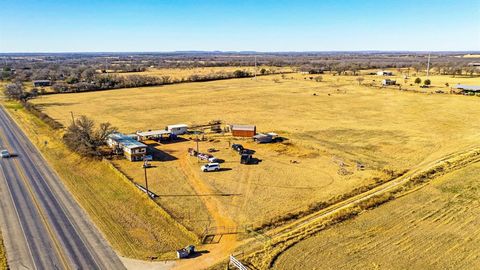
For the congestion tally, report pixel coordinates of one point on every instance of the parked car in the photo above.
(4, 153)
(210, 167)
(185, 252)
(213, 159)
(237, 147)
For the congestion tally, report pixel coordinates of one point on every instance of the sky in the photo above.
(241, 25)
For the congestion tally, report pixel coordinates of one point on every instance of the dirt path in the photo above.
(227, 243)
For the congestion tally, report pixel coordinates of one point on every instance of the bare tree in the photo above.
(82, 137)
(360, 80)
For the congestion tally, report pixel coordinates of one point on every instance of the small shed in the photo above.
(389, 82)
(177, 129)
(265, 138)
(243, 130)
(384, 73)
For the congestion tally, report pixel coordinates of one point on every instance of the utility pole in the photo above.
(146, 181)
(255, 67)
(428, 65)
(198, 159)
(73, 118)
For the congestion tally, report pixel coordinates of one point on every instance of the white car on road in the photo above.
(210, 167)
(4, 153)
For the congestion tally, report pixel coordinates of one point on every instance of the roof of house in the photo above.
(131, 143)
(152, 133)
(177, 126)
(468, 87)
(126, 141)
(243, 127)
(41, 81)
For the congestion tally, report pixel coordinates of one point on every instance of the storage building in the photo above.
(388, 82)
(468, 89)
(384, 73)
(41, 83)
(243, 130)
(178, 129)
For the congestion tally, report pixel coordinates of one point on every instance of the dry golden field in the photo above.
(326, 123)
(131, 223)
(435, 227)
(184, 73)
(3, 257)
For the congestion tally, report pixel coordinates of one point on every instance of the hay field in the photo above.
(184, 73)
(131, 223)
(381, 128)
(435, 227)
(3, 255)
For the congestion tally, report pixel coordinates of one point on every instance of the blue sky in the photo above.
(328, 25)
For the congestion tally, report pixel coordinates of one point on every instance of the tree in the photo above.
(418, 80)
(88, 74)
(16, 91)
(427, 82)
(82, 137)
(240, 73)
(263, 71)
(360, 80)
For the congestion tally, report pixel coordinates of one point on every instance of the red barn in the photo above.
(243, 130)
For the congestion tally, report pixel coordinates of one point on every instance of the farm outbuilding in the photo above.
(465, 89)
(243, 130)
(41, 83)
(153, 134)
(177, 129)
(388, 82)
(265, 138)
(384, 73)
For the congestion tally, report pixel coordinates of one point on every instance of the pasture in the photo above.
(329, 126)
(184, 73)
(435, 227)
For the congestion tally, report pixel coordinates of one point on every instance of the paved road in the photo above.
(42, 225)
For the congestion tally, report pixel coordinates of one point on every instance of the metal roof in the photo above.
(468, 87)
(243, 127)
(131, 143)
(177, 126)
(126, 141)
(152, 133)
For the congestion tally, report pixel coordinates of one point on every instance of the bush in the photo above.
(418, 80)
